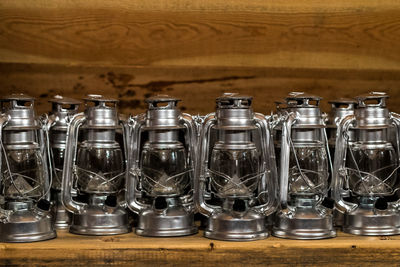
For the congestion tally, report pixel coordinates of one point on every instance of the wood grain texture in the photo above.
(285, 34)
(73, 250)
(196, 86)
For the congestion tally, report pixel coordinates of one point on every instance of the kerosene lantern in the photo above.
(62, 108)
(161, 160)
(236, 182)
(25, 184)
(304, 172)
(366, 168)
(95, 169)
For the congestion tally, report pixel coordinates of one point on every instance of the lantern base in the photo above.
(372, 222)
(100, 220)
(173, 221)
(305, 223)
(62, 216)
(25, 226)
(249, 227)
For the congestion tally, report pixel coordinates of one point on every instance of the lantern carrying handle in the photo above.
(70, 153)
(45, 151)
(202, 165)
(396, 120)
(339, 167)
(285, 156)
(269, 179)
(4, 214)
(190, 126)
(135, 125)
(3, 121)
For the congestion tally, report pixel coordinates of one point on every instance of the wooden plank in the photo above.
(297, 34)
(73, 250)
(196, 86)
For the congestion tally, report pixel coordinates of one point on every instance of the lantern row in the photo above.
(297, 171)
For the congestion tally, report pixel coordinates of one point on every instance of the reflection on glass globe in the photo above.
(27, 179)
(312, 176)
(235, 172)
(164, 169)
(100, 167)
(374, 170)
(58, 163)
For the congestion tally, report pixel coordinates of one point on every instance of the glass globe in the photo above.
(308, 170)
(373, 171)
(235, 172)
(99, 167)
(27, 180)
(164, 169)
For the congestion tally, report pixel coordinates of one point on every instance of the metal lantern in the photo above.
(366, 167)
(304, 173)
(237, 178)
(162, 147)
(25, 184)
(62, 108)
(95, 168)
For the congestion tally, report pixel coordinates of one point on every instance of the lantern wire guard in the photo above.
(25, 182)
(304, 171)
(95, 169)
(366, 168)
(236, 180)
(161, 160)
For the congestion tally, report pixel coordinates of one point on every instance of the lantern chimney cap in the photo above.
(234, 101)
(99, 98)
(18, 97)
(62, 100)
(380, 97)
(343, 100)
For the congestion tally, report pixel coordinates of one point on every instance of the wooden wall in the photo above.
(196, 50)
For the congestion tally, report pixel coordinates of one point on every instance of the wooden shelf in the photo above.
(73, 250)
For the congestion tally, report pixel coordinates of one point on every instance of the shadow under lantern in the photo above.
(237, 177)
(95, 168)
(304, 174)
(25, 184)
(162, 147)
(62, 108)
(366, 168)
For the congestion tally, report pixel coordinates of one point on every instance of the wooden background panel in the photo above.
(196, 86)
(289, 34)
